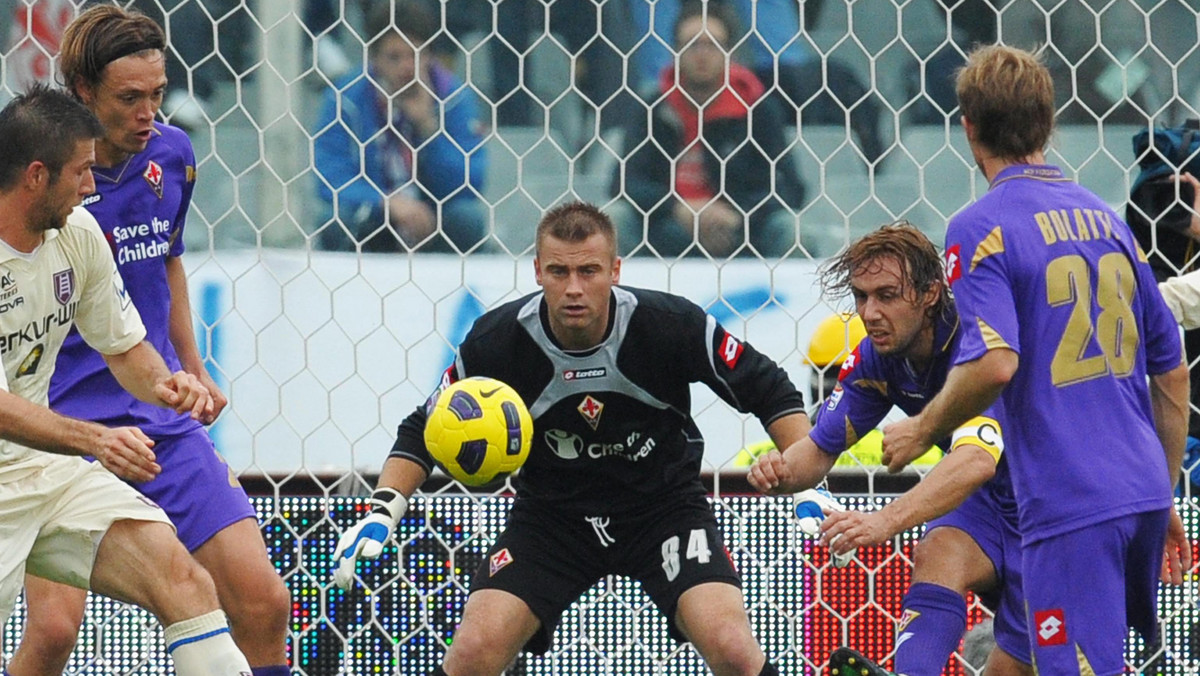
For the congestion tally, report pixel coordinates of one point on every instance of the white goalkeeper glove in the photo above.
(367, 537)
(810, 506)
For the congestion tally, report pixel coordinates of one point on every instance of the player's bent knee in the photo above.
(53, 633)
(266, 610)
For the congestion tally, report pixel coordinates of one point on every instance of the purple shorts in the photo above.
(196, 488)
(982, 521)
(1087, 586)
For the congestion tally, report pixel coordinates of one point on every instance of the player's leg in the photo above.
(947, 563)
(142, 562)
(540, 564)
(495, 625)
(713, 617)
(53, 613)
(102, 534)
(251, 592)
(679, 556)
(1000, 663)
(215, 521)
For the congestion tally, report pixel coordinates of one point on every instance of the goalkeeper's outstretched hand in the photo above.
(366, 538)
(812, 507)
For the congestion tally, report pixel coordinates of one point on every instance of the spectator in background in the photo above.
(708, 164)
(399, 149)
(822, 89)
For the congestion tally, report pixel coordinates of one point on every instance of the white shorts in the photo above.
(52, 521)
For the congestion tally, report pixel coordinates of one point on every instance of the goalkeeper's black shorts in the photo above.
(548, 558)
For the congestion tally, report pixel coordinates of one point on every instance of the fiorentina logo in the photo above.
(64, 285)
(154, 176)
(591, 408)
(499, 560)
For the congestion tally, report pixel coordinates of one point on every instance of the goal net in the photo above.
(326, 322)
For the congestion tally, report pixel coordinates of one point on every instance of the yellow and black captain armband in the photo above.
(982, 432)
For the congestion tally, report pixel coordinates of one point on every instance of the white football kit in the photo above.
(54, 509)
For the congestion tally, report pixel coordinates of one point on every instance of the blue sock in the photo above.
(277, 670)
(932, 624)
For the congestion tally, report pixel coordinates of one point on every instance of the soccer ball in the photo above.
(478, 429)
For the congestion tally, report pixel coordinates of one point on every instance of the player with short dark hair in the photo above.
(971, 543)
(113, 62)
(612, 484)
(1064, 329)
(62, 518)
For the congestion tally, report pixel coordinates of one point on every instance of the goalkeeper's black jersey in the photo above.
(613, 430)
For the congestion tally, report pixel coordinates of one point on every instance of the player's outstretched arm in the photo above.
(124, 451)
(950, 482)
(970, 388)
(398, 480)
(143, 373)
(800, 466)
(183, 337)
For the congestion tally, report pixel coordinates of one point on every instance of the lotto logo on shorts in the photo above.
(499, 560)
(1051, 627)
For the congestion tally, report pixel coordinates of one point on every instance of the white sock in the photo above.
(203, 646)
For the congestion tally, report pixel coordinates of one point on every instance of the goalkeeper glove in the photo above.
(366, 538)
(810, 506)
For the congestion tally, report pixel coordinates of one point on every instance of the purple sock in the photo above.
(931, 626)
(275, 670)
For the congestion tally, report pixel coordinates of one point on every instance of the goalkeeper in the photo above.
(612, 484)
(895, 277)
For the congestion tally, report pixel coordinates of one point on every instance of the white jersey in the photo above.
(1182, 294)
(69, 280)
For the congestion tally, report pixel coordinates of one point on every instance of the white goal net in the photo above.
(327, 323)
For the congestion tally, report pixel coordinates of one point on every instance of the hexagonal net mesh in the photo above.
(370, 175)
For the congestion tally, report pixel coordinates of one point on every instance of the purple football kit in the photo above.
(869, 385)
(1043, 267)
(141, 205)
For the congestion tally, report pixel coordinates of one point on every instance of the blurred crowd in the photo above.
(699, 102)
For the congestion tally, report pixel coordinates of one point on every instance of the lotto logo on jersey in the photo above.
(848, 365)
(154, 176)
(953, 265)
(1051, 627)
(584, 374)
(499, 560)
(731, 350)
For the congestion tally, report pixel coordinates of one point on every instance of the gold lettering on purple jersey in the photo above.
(1047, 229)
(1062, 227)
(1081, 227)
(1105, 221)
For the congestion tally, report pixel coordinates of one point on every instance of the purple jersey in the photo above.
(1044, 267)
(869, 384)
(141, 205)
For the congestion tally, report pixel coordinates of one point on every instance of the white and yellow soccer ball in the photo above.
(478, 430)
